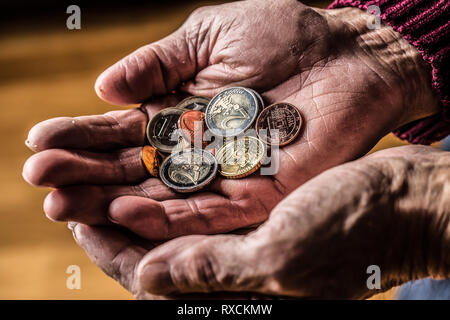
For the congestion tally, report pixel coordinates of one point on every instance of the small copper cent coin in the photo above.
(162, 130)
(192, 126)
(188, 170)
(151, 160)
(279, 124)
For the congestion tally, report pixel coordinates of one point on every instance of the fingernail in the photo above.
(71, 225)
(111, 219)
(31, 146)
(155, 278)
(114, 211)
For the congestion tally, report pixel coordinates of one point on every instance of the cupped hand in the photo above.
(389, 210)
(352, 85)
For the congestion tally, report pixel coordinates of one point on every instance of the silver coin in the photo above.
(188, 170)
(162, 130)
(194, 103)
(231, 112)
(260, 99)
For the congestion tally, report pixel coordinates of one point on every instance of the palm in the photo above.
(210, 52)
(337, 94)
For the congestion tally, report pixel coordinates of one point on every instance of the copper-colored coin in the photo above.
(279, 124)
(192, 125)
(151, 160)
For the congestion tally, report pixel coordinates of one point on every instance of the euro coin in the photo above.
(151, 160)
(191, 124)
(194, 103)
(279, 124)
(240, 157)
(260, 99)
(231, 112)
(188, 170)
(162, 130)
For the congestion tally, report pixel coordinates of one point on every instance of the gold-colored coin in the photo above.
(194, 103)
(241, 157)
(151, 160)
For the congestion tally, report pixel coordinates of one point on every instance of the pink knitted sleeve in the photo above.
(425, 25)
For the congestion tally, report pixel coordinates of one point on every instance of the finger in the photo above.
(112, 251)
(119, 254)
(152, 70)
(202, 264)
(60, 167)
(203, 213)
(112, 130)
(89, 204)
(214, 78)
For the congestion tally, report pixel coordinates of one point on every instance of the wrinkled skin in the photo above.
(318, 241)
(352, 85)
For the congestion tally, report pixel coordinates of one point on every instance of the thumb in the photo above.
(201, 264)
(152, 70)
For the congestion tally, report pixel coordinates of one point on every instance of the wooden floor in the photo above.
(45, 74)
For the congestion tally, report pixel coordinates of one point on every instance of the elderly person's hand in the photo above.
(390, 209)
(352, 84)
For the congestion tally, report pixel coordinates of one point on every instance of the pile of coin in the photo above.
(180, 152)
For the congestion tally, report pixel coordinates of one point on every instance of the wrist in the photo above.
(394, 214)
(425, 206)
(406, 76)
(418, 184)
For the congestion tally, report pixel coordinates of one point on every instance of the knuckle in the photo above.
(201, 271)
(200, 12)
(126, 69)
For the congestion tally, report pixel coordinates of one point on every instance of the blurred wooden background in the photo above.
(48, 72)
